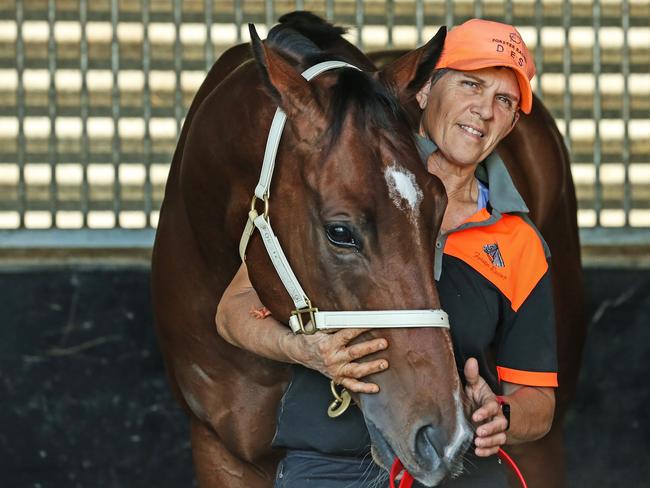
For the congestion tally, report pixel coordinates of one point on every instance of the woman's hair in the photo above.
(439, 73)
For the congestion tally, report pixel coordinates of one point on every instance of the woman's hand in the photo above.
(332, 355)
(243, 321)
(487, 416)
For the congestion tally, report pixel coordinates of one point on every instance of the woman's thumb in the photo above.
(471, 372)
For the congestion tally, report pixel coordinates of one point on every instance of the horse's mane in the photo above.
(320, 34)
(305, 38)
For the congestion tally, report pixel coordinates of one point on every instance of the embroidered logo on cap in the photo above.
(492, 250)
(516, 38)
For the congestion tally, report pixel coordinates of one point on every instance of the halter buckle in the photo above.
(298, 314)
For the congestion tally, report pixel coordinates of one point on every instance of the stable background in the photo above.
(92, 95)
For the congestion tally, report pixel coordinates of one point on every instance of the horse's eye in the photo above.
(342, 236)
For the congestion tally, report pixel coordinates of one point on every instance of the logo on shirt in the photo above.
(492, 250)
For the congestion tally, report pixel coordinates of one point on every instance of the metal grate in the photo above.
(92, 96)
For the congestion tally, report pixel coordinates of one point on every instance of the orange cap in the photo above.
(478, 44)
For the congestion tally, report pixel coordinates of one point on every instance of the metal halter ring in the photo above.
(341, 401)
(266, 205)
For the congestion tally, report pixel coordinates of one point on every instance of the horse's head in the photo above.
(357, 215)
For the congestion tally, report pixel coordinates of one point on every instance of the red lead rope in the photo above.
(407, 479)
(503, 455)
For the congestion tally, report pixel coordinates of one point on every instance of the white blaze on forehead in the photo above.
(403, 190)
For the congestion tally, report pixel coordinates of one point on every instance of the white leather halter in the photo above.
(317, 319)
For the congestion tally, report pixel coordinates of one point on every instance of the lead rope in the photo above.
(407, 479)
(503, 455)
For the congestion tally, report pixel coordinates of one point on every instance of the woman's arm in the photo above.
(531, 412)
(329, 353)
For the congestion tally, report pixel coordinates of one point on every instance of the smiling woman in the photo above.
(492, 273)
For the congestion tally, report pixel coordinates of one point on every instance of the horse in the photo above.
(539, 164)
(231, 396)
(323, 174)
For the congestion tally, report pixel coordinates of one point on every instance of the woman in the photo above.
(491, 268)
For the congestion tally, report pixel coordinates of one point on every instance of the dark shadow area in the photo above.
(84, 400)
(608, 426)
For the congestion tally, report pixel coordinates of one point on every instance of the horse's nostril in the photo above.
(429, 442)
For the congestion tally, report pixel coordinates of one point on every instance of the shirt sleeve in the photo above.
(526, 343)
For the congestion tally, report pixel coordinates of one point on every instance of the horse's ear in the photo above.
(407, 74)
(293, 93)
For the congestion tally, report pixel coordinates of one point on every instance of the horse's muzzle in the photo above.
(431, 455)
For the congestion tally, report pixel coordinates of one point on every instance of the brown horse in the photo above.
(345, 130)
(231, 396)
(538, 161)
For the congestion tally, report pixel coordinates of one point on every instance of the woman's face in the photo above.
(467, 113)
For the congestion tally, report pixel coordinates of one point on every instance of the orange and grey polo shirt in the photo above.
(493, 280)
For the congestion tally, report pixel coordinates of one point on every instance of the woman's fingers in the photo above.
(487, 446)
(490, 436)
(356, 386)
(486, 452)
(331, 355)
(346, 335)
(488, 410)
(359, 370)
(495, 426)
(362, 349)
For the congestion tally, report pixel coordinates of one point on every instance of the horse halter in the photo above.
(317, 319)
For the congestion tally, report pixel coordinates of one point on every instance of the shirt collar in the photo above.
(492, 171)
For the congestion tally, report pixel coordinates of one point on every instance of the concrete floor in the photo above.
(84, 401)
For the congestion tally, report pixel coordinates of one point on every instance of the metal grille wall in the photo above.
(92, 96)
